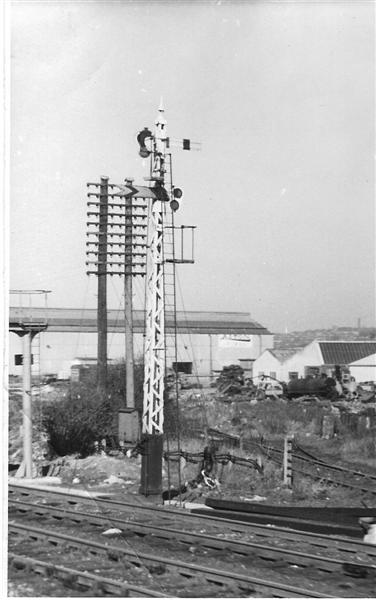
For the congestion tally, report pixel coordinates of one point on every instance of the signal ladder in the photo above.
(176, 250)
(36, 374)
(169, 260)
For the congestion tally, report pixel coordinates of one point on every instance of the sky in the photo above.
(281, 97)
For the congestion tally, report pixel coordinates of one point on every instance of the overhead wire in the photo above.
(184, 319)
(194, 362)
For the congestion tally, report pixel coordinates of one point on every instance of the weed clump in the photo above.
(83, 416)
(361, 449)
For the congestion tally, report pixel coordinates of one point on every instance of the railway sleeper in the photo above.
(358, 571)
(82, 581)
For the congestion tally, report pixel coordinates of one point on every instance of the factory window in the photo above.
(18, 359)
(261, 373)
(273, 374)
(182, 367)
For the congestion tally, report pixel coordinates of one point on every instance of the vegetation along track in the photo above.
(367, 481)
(282, 567)
(364, 483)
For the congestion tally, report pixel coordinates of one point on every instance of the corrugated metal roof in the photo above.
(344, 353)
(85, 320)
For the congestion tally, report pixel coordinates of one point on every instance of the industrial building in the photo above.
(206, 341)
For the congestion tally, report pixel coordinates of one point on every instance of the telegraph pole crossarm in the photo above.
(116, 245)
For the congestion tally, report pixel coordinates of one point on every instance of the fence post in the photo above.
(287, 461)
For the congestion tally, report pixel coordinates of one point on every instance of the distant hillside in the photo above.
(299, 339)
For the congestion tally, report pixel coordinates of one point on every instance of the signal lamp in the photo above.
(174, 205)
(177, 193)
(142, 136)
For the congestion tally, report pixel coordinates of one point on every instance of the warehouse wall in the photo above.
(58, 350)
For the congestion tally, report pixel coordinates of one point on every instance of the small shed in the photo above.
(327, 356)
(358, 357)
(271, 363)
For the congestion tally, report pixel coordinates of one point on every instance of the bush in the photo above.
(277, 418)
(74, 423)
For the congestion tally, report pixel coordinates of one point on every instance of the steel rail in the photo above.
(314, 539)
(319, 463)
(187, 570)
(334, 467)
(344, 484)
(242, 548)
(79, 578)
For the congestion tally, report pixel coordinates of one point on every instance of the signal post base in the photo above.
(151, 465)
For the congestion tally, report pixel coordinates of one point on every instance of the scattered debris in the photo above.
(113, 531)
(231, 380)
(255, 498)
(370, 537)
(113, 479)
(368, 525)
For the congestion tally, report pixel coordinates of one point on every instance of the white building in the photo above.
(271, 363)
(364, 369)
(318, 357)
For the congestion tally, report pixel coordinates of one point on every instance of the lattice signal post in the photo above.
(133, 241)
(116, 245)
(163, 206)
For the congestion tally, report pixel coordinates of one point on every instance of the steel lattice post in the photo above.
(153, 406)
(152, 420)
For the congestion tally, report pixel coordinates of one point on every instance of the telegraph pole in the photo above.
(102, 288)
(116, 245)
(128, 297)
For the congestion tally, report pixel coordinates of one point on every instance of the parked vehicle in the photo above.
(312, 386)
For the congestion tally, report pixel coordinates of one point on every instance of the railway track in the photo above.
(209, 523)
(360, 477)
(218, 581)
(79, 581)
(219, 548)
(237, 547)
